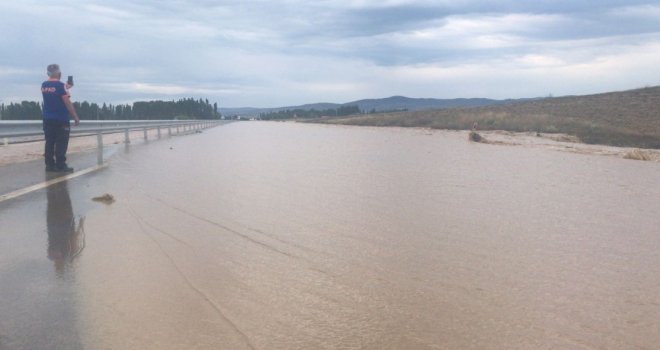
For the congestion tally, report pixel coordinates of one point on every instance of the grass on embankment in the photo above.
(625, 119)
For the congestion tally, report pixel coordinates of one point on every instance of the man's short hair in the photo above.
(53, 70)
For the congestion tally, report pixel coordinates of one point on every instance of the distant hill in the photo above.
(394, 103)
(626, 118)
(239, 111)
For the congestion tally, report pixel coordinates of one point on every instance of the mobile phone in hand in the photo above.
(69, 80)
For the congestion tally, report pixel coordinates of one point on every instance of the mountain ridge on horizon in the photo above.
(392, 103)
(412, 104)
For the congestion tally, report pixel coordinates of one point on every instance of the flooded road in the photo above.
(288, 236)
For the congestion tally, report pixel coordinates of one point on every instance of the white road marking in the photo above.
(29, 189)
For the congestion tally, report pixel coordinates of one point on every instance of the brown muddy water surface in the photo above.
(287, 236)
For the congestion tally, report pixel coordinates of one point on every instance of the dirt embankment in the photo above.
(564, 143)
(623, 119)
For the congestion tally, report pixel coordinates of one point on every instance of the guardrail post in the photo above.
(5, 141)
(127, 139)
(145, 134)
(159, 132)
(99, 147)
(169, 131)
(177, 130)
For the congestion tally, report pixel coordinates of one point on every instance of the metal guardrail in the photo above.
(26, 129)
(13, 129)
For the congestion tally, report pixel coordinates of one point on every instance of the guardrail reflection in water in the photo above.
(29, 130)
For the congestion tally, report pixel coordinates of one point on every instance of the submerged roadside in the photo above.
(533, 139)
(31, 151)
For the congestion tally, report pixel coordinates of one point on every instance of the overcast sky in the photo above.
(284, 52)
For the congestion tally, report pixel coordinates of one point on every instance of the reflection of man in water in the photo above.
(65, 240)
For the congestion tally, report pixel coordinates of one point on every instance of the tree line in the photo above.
(187, 108)
(311, 113)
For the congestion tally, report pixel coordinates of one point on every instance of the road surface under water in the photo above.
(288, 236)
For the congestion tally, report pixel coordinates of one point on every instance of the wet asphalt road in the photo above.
(39, 239)
(24, 174)
(287, 236)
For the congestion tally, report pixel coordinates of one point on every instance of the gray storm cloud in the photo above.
(274, 53)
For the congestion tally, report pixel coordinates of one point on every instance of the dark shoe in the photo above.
(51, 168)
(64, 169)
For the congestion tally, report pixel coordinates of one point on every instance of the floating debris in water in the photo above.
(474, 136)
(106, 199)
(637, 154)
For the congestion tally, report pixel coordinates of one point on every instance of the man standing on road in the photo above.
(57, 110)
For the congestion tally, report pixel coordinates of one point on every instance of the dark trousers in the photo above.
(57, 142)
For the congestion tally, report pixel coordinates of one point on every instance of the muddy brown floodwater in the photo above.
(287, 236)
